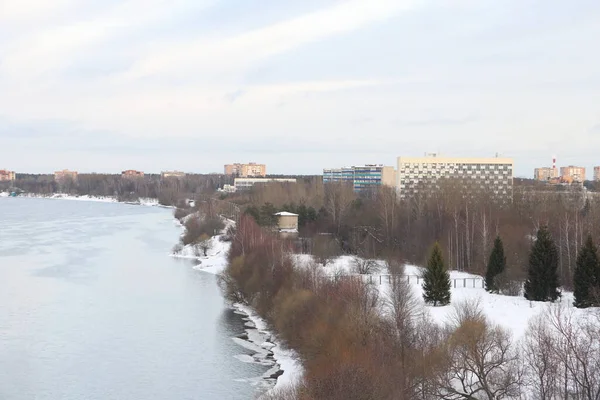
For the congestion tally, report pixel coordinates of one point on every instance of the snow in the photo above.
(260, 339)
(512, 313)
(4, 194)
(288, 360)
(100, 199)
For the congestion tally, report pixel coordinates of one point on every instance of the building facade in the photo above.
(249, 170)
(572, 174)
(65, 174)
(363, 177)
(597, 174)
(131, 173)
(472, 176)
(344, 174)
(247, 183)
(545, 174)
(7, 176)
(172, 174)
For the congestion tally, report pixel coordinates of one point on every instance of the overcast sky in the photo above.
(106, 85)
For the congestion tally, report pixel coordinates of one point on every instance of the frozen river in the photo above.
(92, 307)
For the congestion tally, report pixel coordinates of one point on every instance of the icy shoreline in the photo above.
(98, 199)
(286, 366)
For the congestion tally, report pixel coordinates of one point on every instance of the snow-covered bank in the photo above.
(98, 199)
(287, 367)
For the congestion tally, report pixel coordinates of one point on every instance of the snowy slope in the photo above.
(512, 313)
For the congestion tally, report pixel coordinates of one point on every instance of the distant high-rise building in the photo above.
(362, 177)
(7, 176)
(545, 174)
(247, 183)
(131, 173)
(472, 175)
(597, 174)
(572, 174)
(65, 174)
(344, 174)
(172, 174)
(249, 170)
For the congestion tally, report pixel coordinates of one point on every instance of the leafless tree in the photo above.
(482, 361)
(541, 360)
(364, 266)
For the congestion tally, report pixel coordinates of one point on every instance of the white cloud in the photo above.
(227, 54)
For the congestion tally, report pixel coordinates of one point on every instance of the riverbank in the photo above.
(257, 337)
(98, 199)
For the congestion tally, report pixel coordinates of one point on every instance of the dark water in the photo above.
(92, 307)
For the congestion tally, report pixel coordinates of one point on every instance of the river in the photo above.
(92, 307)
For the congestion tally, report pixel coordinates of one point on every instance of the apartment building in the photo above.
(545, 174)
(249, 170)
(597, 174)
(362, 177)
(247, 183)
(172, 174)
(572, 174)
(131, 173)
(473, 175)
(7, 176)
(65, 174)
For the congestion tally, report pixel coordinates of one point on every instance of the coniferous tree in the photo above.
(542, 274)
(436, 279)
(586, 279)
(495, 267)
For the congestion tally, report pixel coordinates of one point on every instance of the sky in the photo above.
(300, 85)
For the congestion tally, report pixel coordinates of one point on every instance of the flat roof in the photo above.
(459, 160)
(286, 214)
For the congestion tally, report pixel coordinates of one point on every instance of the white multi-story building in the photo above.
(470, 175)
(247, 183)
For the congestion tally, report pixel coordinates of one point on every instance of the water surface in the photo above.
(92, 307)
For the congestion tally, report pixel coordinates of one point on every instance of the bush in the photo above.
(196, 227)
(364, 267)
(181, 213)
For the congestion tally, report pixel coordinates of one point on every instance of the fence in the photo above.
(387, 279)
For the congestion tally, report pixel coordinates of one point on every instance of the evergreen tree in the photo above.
(586, 278)
(436, 279)
(542, 274)
(495, 267)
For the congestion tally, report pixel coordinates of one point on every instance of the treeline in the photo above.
(357, 345)
(380, 224)
(168, 191)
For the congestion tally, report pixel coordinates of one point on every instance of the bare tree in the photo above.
(539, 349)
(364, 266)
(482, 361)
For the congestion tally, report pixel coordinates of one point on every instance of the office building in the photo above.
(65, 174)
(249, 170)
(247, 183)
(472, 175)
(362, 177)
(344, 174)
(597, 174)
(572, 174)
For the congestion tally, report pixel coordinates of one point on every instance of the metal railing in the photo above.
(380, 279)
